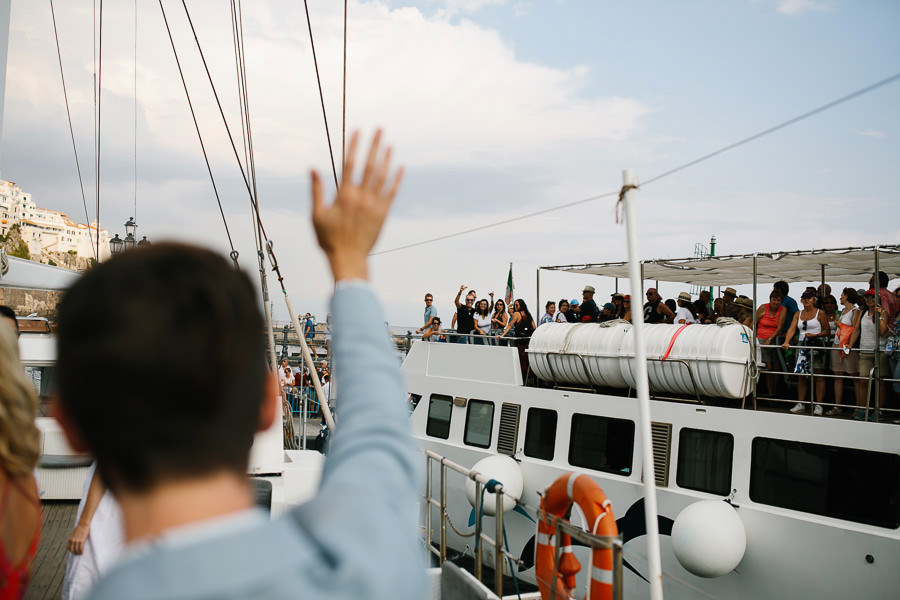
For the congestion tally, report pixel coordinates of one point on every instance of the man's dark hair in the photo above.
(162, 365)
(9, 313)
(882, 279)
(781, 286)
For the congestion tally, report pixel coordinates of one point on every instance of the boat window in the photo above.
(602, 444)
(439, 410)
(540, 433)
(479, 421)
(704, 461)
(845, 483)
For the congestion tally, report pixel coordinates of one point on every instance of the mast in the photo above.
(5, 6)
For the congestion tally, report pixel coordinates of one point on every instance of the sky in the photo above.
(496, 109)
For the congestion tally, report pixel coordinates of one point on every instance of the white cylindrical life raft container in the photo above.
(718, 356)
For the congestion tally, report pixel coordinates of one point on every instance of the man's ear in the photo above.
(73, 434)
(271, 400)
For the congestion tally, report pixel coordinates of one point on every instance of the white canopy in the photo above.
(840, 264)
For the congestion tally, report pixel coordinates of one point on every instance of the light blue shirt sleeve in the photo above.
(365, 514)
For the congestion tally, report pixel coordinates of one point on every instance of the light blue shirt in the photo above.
(357, 538)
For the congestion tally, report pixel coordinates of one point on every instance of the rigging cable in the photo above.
(199, 136)
(98, 96)
(135, 108)
(71, 129)
(321, 95)
(221, 110)
(307, 357)
(344, 102)
(672, 171)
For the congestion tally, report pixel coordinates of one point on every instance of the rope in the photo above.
(458, 532)
(321, 95)
(62, 76)
(199, 135)
(491, 225)
(620, 204)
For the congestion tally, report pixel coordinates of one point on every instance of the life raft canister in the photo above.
(571, 489)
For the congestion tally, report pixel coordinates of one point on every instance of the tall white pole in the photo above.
(643, 392)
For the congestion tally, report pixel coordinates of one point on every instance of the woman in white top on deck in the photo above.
(813, 327)
(482, 319)
(685, 315)
(561, 313)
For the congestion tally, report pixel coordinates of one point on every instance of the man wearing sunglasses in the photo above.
(465, 319)
(430, 313)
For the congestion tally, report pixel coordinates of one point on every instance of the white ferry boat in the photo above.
(817, 499)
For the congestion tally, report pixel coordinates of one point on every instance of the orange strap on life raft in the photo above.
(558, 498)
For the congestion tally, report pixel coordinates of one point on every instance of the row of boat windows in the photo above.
(856, 485)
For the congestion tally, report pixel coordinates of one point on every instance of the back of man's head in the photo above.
(161, 365)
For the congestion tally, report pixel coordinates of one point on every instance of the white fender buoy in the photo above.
(505, 470)
(708, 538)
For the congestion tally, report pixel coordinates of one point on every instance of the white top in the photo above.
(560, 317)
(867, 334)
(482, 323)
(812, 325)
(683, 313)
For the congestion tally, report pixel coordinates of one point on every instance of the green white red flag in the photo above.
(510, 288)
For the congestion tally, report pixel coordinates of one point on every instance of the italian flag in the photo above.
(510, 288)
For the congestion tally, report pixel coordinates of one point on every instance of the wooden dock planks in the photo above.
(49, 566)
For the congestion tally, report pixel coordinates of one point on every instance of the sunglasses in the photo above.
(803, 327)
(429, 300)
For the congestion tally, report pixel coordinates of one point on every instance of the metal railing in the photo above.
(561, 525)
(871, 380)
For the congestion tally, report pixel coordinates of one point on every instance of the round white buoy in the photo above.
(505, 470)
(708, 538)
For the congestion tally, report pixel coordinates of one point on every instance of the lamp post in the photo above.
(118, 245)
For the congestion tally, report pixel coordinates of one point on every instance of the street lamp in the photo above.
(116, 245)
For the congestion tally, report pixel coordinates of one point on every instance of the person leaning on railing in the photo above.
(843, 359)
(770, 319)
(874, 317)
(813, 327)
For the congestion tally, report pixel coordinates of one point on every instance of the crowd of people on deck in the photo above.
(820, 336)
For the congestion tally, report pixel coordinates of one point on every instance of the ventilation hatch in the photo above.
(509, 428)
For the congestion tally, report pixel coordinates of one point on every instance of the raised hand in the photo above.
(348, 228)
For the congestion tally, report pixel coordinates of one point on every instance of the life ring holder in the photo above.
(559, 582)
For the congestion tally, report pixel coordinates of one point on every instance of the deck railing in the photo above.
(501, 554)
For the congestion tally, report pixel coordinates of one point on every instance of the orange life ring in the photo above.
(586, 493)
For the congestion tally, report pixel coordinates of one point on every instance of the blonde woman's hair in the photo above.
(20, 441)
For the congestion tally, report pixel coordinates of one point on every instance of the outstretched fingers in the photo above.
(370, 162)
(349, 159)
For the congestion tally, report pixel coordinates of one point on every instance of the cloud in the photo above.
(469, 6)
(798, 7)
(873, 133)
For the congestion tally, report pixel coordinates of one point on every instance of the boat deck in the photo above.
(49, 567)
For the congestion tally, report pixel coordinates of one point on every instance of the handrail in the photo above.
(500, 553)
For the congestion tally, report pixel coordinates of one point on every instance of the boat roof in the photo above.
(840, 264)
